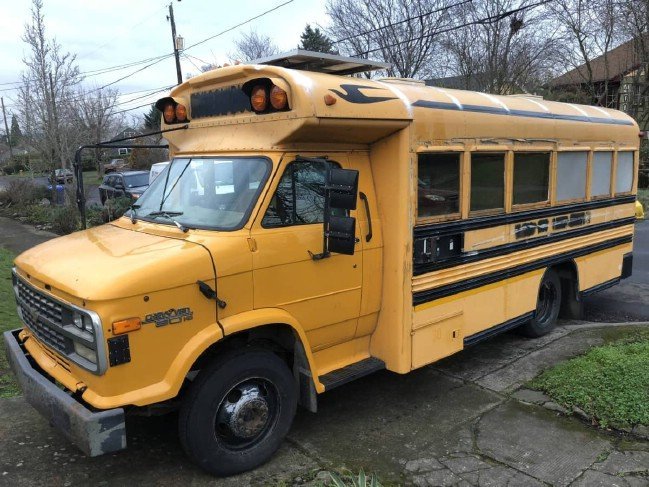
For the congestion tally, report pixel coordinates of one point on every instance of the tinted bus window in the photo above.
(438, 184)
(487, 181)
(571, 175)
(531, 177)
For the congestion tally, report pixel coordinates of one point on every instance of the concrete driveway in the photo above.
(464, 421)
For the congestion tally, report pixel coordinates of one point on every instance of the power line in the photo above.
(487, 20)
(408, 19)
(155, 60)
(239, 25)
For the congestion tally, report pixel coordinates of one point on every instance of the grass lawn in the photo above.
(610, 383)
(8, 321)
(91, 178)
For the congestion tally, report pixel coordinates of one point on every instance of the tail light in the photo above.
(259, 98)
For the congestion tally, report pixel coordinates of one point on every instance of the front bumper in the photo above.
(94, 433)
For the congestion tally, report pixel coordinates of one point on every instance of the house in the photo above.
(612, 81)
(124, 151)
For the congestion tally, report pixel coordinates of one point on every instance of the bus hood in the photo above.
(109, 262)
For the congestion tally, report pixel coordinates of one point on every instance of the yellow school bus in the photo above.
(310, 229)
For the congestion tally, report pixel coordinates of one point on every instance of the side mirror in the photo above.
(341, 236)
(342, 188)
(119, 186)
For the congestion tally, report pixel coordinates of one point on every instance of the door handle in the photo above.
(368, 237)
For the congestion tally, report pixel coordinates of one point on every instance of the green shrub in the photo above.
(23, 192)
(348, 479)
(64, 219)
(94, 216)
(115, 208)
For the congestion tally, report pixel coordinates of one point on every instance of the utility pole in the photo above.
(173, 38)
(4, 115)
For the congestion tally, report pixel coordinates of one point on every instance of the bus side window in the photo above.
(487, 181)
(624, 172)
(601, 179)
(531, 177)
(438, 184)
(571, 175)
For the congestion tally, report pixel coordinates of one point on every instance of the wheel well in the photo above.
(280, 339)
(571, 307)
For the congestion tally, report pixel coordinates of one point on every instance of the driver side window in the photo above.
(300, 196)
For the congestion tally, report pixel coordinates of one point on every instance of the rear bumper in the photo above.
(94, 433)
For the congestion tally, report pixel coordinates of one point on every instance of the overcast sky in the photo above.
(108, 33)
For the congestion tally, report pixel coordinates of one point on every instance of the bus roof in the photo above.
(367, 110)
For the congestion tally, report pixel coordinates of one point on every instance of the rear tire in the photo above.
(547, 307)
(237, 412)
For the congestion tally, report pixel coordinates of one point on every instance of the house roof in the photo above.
(474, 82)
(613, 65)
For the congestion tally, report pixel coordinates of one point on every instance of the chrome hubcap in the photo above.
(245, 413)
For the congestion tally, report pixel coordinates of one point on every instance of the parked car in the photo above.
(115, 165)
(129, 183)
(63, 176)
(156, 169)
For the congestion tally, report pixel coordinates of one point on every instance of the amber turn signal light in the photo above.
(329, 99)
(278, 98)
(125, 326)
(181, 113)
(259, 98)
(169, 113)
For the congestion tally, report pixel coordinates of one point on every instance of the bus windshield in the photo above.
(210, 193)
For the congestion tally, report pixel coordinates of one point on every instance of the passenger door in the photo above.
(323, 295)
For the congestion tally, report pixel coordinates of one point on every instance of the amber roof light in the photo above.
(259, 98)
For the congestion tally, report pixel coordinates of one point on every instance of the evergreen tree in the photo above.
(14, 133)
(315, 40)
(152, 120)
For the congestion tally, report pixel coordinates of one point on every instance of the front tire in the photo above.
(237, 412)
(547, 307)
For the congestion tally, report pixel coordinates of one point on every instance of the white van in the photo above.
(156, 169)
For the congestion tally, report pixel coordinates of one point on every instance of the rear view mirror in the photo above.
(342, 188)
(341, 235)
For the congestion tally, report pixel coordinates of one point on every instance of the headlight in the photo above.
(82, 321)
(85, 352)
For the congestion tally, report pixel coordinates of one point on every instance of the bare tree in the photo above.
(588, 29)
(500, 46)
(94, 109)
(252, 46)
(400, 32)
(46, 93)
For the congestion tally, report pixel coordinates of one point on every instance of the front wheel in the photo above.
(547, 307)
(237, 412)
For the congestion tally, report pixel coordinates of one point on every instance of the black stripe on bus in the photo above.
(449, 228)
(474, 256)
(600, 287)
(498, 329)
(439, 105)
(483, 280)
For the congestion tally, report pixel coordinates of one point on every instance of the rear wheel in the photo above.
(237, 412)
(547, 306)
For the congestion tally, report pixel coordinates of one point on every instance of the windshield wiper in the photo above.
(134, 208)
(169, 215)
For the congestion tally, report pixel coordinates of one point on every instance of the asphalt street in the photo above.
(629, 300)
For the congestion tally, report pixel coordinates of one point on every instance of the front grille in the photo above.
(63, 328)
(43, 316)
